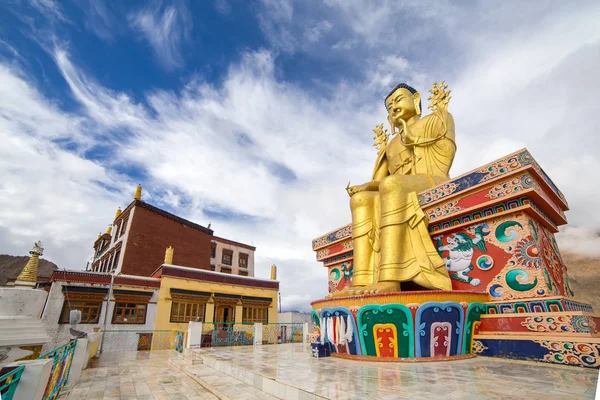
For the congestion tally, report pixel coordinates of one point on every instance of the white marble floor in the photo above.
(137, 375)
(289, 372)
(481, 378)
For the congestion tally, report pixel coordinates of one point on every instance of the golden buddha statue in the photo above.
(390, 236)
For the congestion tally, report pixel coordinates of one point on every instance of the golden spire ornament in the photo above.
(28, 277)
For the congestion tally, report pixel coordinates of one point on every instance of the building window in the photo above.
(123, 227)
(243, 272)
(226, 270)
(118, 232)
(227, 258)
(186, 311)
(90, 311)
(213, 250)
(212, 267)
(254, 314)
(129, 313)
(116, 260)
(243, 263)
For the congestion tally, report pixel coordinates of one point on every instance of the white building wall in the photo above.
(113, 242)
(293, 317)
(59, 333)
(290, 322)
(235, 269)
(123, 239)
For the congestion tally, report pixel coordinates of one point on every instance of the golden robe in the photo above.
(390, 236)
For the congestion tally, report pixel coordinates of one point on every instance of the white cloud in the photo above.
(166, 29)
(48, 193)
(49, 8)
(579, 240)
(99, 19)
(222, 7)
(315, 33)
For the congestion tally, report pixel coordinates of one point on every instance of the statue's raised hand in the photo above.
(355, 189)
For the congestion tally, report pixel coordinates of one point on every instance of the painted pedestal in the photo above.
(407, 326)
(494, 227)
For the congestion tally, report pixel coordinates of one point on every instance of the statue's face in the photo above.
(400, 105)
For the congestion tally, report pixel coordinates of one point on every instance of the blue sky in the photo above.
(253, 115)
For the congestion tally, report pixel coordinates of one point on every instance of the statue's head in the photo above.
(403, 102)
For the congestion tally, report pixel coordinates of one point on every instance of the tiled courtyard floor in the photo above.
(137, 375)
(159, 375)
(476, 378)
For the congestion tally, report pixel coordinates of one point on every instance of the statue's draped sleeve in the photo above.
(380, 170)
(435, 147)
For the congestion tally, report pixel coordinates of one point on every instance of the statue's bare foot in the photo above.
(341, 293)
(351, 291)
(382, 287)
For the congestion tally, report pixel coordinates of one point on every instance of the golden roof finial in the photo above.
(118, 213)
(273, 272)
(138, 192)
(109, 230)
(28, 277)
(169, 255)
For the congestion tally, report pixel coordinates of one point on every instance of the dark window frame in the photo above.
(114, 319)
(227, 253)
(123, 226)
(250, 314)
(65, 312)
(245, 257)
(187, 317)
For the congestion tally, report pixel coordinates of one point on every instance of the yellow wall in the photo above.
(163, 310)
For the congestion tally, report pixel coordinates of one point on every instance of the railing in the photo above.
(143, 340)
(9, 382)
(231, 334)
(59, 375)
(277, 333)
(217, 334)
(214, 334)
(179, 341)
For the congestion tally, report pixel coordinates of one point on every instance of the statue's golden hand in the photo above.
(355, 189)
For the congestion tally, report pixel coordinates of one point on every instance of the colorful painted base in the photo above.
(404, 325)
(556, 350)
(404, 360)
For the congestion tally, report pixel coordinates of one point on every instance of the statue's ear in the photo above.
(417, 99)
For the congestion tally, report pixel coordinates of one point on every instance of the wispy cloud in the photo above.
(50, 9)
(167, 29)
(45, 188)
(99, 18)
(222, 6)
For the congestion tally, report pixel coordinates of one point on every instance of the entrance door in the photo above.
(224, 316)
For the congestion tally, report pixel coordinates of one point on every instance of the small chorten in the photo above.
(109, 230)
(118, 213)
(28, 277)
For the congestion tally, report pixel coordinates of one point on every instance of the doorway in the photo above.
(224, 316)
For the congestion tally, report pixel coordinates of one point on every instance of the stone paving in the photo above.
(335, 378)
(278, 368)
(137, 375)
